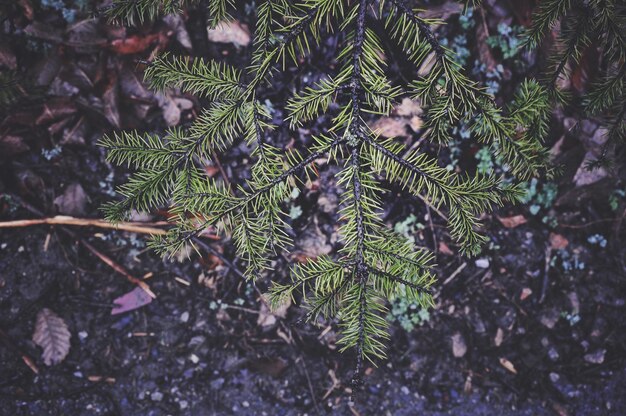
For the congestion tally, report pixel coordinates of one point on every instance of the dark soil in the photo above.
(539, 339)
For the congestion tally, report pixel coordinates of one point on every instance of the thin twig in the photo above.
(109, 262)
(92, 249)
(134, 227)
(455, 273)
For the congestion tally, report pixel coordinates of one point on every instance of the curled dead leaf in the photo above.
(508, 365)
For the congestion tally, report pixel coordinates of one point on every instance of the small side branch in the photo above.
(423, 27)
(398, 279)
(245, 201)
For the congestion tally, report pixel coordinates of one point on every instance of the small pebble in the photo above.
(194, 358)
(553, 354)
(482, 263)
(596, 357)
(404, 390)
(245, 404)
(82, 335)
(184, 317)
(183, 404)
(156, 396)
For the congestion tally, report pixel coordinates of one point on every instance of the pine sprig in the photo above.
(214, 80)
(374, 264)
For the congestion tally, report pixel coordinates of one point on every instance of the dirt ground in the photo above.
(533, 326)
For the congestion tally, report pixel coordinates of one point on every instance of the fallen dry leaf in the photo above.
(444, 249)
(132, 300)
(133, 44)
(497, 341)
(390, 127)
(586, 176)
(512, 222)
(484, 51)
(13, 145)
(7, 57)
(177, 25)
(558, 242)
(230, 32)
(73, 200)
(406, 114)
(459, 347)
(55, 109)
(267, 317)
(526, 292)
(508, 365)
(52, 335)
(172, 107)
(27, 7)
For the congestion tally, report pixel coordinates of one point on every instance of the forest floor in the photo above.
(533, 326)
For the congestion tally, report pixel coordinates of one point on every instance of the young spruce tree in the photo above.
(374, 264)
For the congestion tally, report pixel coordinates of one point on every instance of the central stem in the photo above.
(360, 271)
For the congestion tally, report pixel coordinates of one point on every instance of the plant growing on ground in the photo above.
(375, 263)
(585, 25)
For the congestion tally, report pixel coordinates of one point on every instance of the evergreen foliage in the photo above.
(375, 264)
(585, 25)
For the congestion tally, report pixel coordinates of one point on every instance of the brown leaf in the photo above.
(390, 127)
(132, 88)
(73, 200)
(408, 108)
(526, 292)
(44, 31)
(407, 113)
(12, 145)
(110, 99)
(558, 242)
(512, 222)
(444, 249)
(177, 25)
(484, 51)
(586, 69)
(497, 341)
(313, 242)
(273, 366)
(52, 335)
(459, 347)
(586, 176)
(27, 7)
(508, 365)
(268, 317)
(132, 300)
(133, 44)
(55, 109)
(7, 57)
(230, 32)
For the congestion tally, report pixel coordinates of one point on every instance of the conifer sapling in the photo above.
(375, 264)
